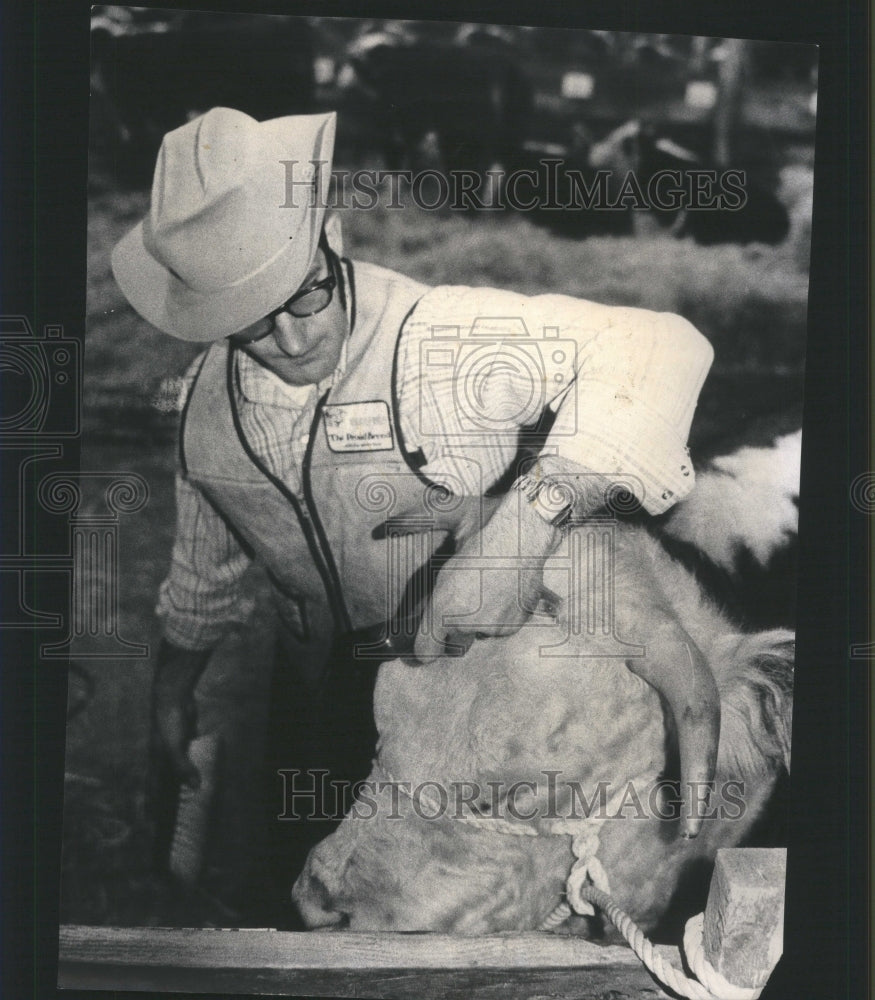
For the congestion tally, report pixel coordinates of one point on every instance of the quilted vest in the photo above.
(330, 574)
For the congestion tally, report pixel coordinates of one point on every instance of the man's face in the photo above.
(303, 350)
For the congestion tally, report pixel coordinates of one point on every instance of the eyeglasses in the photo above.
(307, 301)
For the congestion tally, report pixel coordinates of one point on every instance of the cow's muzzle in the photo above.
(313, 899)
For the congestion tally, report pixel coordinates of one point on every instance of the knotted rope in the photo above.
(715, 986)
(587, 887)
(703, 970)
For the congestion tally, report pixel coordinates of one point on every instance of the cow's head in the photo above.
(467, 745)
(510, 737)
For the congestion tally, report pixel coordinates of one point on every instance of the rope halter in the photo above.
(587, 887)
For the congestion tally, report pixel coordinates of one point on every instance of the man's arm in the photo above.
(197, 601)
(626, 417)
(174, 712)
(622, 382)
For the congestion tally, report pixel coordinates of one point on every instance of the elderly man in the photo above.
(336, 395)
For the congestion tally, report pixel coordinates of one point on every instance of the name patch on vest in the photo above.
(358, 426)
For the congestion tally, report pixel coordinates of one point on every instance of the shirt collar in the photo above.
(258, 384)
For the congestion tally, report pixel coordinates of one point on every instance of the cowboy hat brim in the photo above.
(174, 307)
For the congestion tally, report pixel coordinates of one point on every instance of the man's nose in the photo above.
(290, 335)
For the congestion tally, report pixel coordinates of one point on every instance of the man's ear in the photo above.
(334, 232)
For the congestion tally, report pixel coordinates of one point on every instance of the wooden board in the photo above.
(348, 964)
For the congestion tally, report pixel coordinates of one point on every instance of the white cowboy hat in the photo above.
(237, 209)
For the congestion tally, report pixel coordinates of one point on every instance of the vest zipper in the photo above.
(303, 508)
(338, 604)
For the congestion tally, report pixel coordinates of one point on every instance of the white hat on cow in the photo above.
(227, 238)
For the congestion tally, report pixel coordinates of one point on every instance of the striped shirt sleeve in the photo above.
(202, 593)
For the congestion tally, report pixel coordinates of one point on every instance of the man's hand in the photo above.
(493, 583)
(174, 716)
(173, 723)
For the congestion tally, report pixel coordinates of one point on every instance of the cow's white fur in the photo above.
(745, 500)
(505, 712)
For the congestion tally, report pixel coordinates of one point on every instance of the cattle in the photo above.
(559, 190)
(737, 532)
(635, 181)
(492, 767)
(151, 71)
(452, 104)
(681, 191)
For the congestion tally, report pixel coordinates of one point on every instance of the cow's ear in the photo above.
(334, 232)
(758, 700)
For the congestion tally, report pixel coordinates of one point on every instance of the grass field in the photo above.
(750, 302)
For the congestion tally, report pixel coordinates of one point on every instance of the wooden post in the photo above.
(743, 935)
